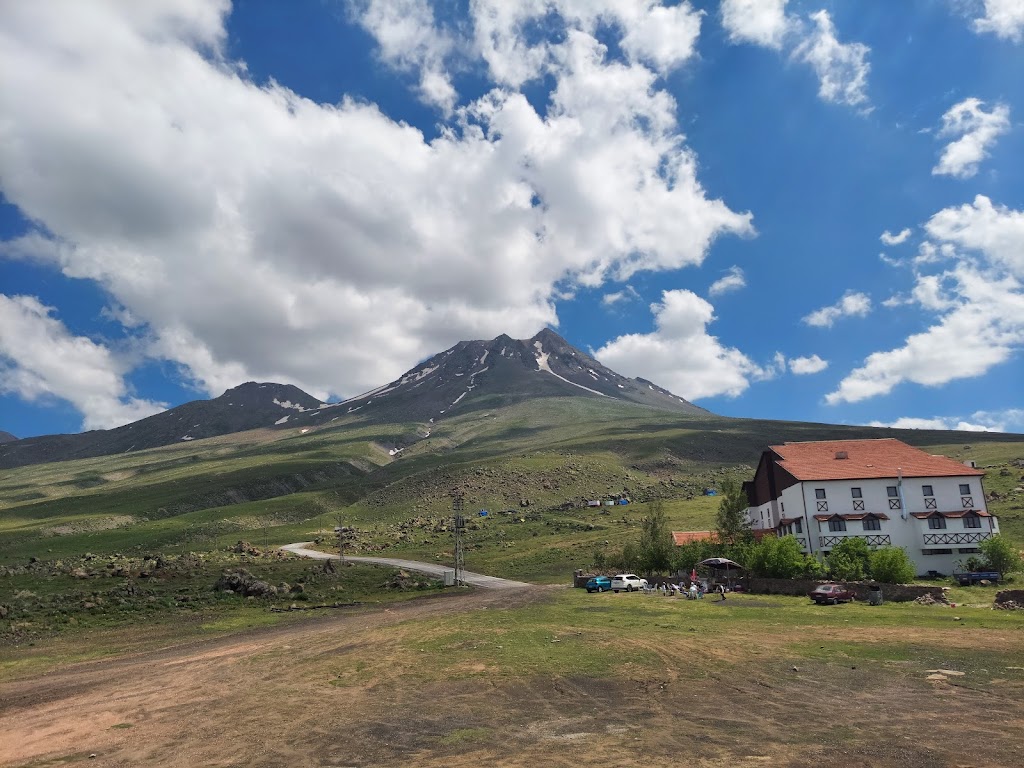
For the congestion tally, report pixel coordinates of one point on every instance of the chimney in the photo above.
(842, 455)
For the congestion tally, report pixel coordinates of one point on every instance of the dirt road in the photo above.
(433, 569)
(350, 690)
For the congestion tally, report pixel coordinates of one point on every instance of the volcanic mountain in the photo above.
(488, 374)
(472, 375)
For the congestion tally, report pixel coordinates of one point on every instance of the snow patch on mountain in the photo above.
(542, 363)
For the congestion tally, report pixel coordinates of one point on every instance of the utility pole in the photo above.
(458, 527)
(341, 540)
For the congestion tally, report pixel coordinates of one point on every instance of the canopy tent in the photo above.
(722, 565)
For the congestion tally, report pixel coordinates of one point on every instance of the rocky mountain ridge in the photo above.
(470, 376)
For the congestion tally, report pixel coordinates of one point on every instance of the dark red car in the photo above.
(831, 594)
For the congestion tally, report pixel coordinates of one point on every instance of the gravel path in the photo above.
(433, 569)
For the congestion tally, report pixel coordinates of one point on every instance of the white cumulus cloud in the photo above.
(733, 280)
(842, 68)
(852, 304)
(803, 366)
(680, 354)
(410, 39)
(1004, 18)
(979, 421)
(888, 238)
(976, 297)
(762, 22)
(974, 131)
(40, 359)
(251, 233)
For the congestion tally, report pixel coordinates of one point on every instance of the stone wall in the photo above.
(1010, 599)
(896, 593)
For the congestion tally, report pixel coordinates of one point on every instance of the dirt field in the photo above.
(265, 698)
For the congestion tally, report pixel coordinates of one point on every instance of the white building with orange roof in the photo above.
(883, 491)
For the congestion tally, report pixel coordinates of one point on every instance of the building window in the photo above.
(891, 492)
(968, 550)
(798, 526)
(819, 493)
(837, 524)
(972, 521)
(872, 524)
(926, 490)
(965, 489)
(783, 507)
(855, 492)
(935, 522)
(936, 551)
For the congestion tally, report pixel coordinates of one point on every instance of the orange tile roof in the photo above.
(686, 537)
(866, 459)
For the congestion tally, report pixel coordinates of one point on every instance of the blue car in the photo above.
(599, 584)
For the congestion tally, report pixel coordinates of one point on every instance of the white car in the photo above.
(629, 582)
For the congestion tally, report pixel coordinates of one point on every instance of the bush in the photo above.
(1000, 554)
(850, 560)
(776, 558)
(892, 565)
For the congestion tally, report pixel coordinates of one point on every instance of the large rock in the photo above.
(241, 582)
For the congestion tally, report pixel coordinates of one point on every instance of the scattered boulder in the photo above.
(245, 548)
(1009, 600)
(241, 582)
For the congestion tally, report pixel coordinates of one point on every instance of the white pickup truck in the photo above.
(629, 582)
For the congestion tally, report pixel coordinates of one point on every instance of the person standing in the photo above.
(721, 590)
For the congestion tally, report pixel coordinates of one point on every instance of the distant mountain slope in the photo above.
(470, 376)
(7, 437)
(244, 407)
(502, 371)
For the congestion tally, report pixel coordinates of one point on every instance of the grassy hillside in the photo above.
(530, 465)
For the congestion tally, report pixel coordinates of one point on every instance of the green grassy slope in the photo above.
(530, 464)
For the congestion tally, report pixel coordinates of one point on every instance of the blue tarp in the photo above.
(483, 513)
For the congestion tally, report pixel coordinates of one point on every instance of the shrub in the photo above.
(776, 558)
(850, 560)
(892, 565)
(1000, 554)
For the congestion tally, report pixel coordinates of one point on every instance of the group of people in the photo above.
(695, 591)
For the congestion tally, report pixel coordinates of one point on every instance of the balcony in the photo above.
(872, 540)
(932, 539)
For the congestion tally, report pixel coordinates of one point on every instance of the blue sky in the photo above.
(794, 210)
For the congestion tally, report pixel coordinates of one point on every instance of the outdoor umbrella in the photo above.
(721, 564)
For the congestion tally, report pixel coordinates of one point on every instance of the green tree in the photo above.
(655, 541)
(686, 557)
(629, 557)
(1000, 554)
(892, 565)
(850, 559)
(777, 558)
(731, 522)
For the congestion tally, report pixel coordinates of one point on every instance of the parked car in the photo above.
(831, 593)
(629, 582)
(599, 584)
